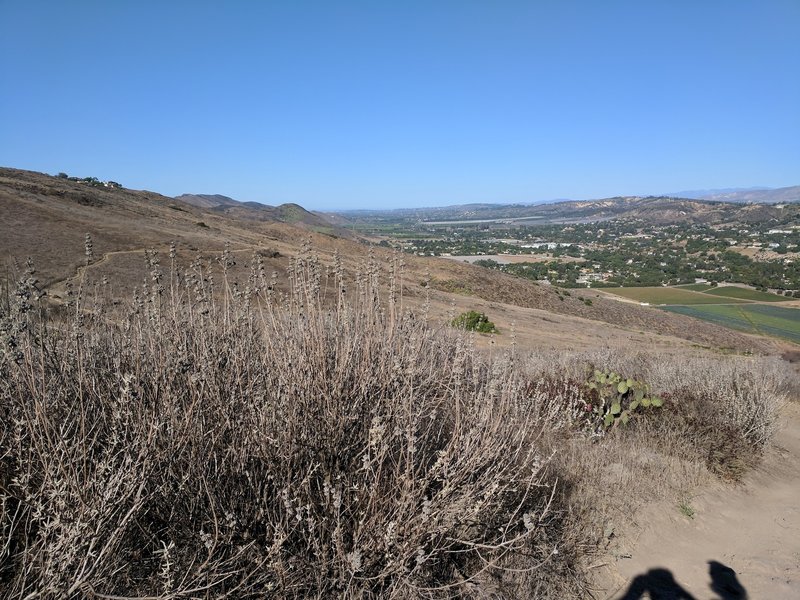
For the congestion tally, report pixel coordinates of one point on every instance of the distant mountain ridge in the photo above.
(751, 194)
(207, 200)
(285, 213)
(687, 206)
(704, 194)
(653, 209)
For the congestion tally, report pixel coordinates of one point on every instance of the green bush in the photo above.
(474, 321)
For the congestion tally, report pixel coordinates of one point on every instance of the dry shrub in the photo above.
(741, 395)
(718, 415)
(728, 408)
(227, 440)
(221, 441)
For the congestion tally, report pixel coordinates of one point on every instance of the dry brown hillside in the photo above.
(46, 218)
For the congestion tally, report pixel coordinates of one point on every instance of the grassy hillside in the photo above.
(46, 218)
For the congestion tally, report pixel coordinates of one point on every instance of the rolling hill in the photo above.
(207, 200)
(654, 209)
(285, 213)
(46, 218)
(762, 195)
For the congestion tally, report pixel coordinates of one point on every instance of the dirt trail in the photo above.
(58, 286)
(742, 542)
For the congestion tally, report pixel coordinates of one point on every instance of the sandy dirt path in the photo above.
(742, 541)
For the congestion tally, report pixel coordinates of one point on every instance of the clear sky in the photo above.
(347, 104)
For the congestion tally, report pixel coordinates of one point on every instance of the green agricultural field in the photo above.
(752, 318)
(730, 291)
(695, 287)
(669, 295)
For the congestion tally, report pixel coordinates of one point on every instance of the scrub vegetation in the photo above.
(222, 439)
(474, 321)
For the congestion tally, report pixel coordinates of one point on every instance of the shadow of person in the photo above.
(659, 584)
(724, 582)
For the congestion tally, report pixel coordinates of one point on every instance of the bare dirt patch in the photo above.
(743, 541)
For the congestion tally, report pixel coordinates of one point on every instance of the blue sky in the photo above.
(389, 104)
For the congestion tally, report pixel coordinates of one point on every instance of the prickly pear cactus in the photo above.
(616, 399)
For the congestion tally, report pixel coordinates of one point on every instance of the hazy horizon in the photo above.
(351, 106)
(334, 209)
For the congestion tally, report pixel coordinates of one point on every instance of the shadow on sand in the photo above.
(660, 584)
(724, 582)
